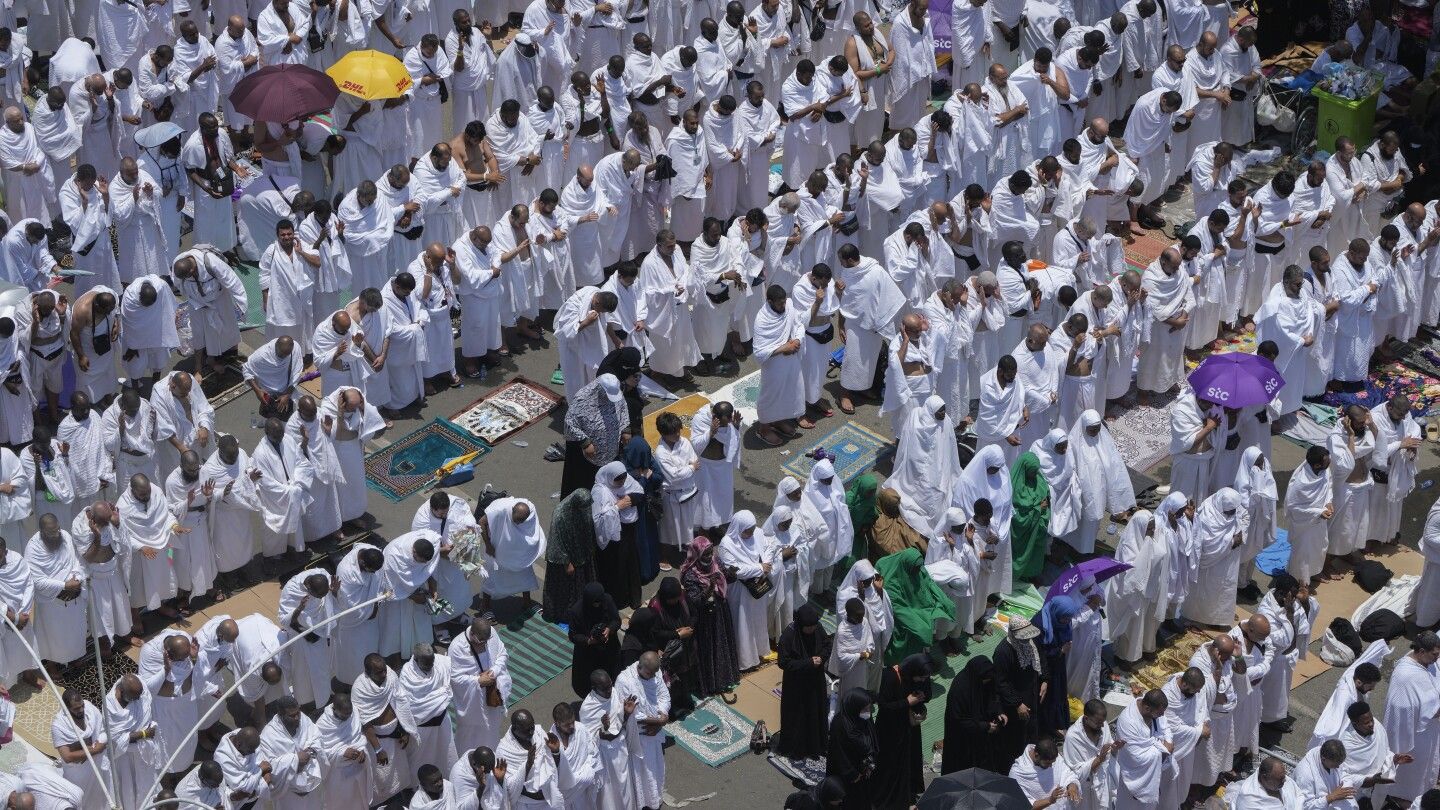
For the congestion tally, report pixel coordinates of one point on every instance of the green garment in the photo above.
(917, 602)
(860, 499)
(1030, 519)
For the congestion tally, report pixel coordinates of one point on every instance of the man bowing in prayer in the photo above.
(514, 542)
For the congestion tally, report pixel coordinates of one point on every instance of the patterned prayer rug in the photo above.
(507, 410)
(1145, 249)
(713, 733)
(408, 465)
(34, 710)
(684, 408)
(809, 772)
(743, 394)
(1387, 380)
(538, 652)
(1175, 657)
(855, 448)
(1142, 434)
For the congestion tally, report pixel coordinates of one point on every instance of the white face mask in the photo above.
(180, 670)
(865, 715)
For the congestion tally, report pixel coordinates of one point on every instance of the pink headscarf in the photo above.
(711, 574)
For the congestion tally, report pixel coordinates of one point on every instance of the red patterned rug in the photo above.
(1146, 249)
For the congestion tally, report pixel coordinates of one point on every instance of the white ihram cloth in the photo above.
(146, 526)
(139, 225)
(530, 772)
(181, 421)
(368, 234)
(341, 362)
(1212, 600)
(1137, 599)
(1411, 703)
(1059, 471)
(346, 783)
(357, 634)
(511, 569)
(290, 782)
(1097, 784)
(870, 305)
(581, 348)
(1386, 499)
(148, 330)
(1427, 593)
(88, 218)
(194, 552)
(371, 700)
(29, 195)
(282, 492)
(1106, 490)
(312, 685)
(348, 433)
(647, 760)
(232, 512)
(1306, 498)
(1251, 795)
(477, 723)
(241, 772)
(782, 381)
(403, 623)
(217, 300)
(1190, 468)
(135, 763)
(406, 322)
(426, 696)
(59, 624)
(927, 467)
(1288, 322)
(1213, 756)
(214, 219)
(65, 732)
(1001, 410)
(1162, 358)
(1143, 761)
(1333, 718)
(1186, 718)
(1315, 782)
(1367, 756)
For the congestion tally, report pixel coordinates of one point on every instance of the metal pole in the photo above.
(177, 801)
(34, 656)
(100, 672)
(220, 701)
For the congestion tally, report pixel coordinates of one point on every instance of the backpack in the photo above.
(1383, 623)
(1371, 576)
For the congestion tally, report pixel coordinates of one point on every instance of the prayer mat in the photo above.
(1387, 380)
(855, 449)
(1142, 434)
(1146, 248)
(683, 408)
(227, 386)
(1274, 557)
(34, 713)
(254, 305)
(744, 393)
(538, 652)
(713, 733)
(808, 772)
(1243, 341)
(408, 465)
(1421, 354)
(1174, 658)
(507, 410)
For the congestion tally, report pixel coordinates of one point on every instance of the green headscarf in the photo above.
(860, 497)
(916, 600)
(1030, 520)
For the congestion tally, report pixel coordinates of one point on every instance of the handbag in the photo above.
(759, 587)
(834, 116)
(720, 297)
(664, 169)
(315, 40)
(850, 226)
(823, 338)
(1381, 477)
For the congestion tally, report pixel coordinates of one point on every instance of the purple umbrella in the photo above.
(282, 93)
(1101, 568)
(1236, 380)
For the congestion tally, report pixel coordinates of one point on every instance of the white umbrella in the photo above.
(158, 133)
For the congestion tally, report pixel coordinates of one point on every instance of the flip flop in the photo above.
(845, 410)
(760, 434)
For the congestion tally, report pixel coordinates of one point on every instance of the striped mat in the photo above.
(538, 651)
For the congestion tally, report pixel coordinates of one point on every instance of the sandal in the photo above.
(847, 410)
(761, 434)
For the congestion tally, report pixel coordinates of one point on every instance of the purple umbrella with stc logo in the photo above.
(1100, 568)
(1236, 380)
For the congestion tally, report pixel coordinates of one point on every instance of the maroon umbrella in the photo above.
(281, 93)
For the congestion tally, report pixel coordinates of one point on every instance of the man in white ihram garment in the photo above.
(1171, 299)
(135, 755)
(479, 685)
(209, 160)
(1411, 706)
(217, 302)
(514, 542)
(581, 332)
(287, 285)
(645, 726)
(306, 603)
(170, 676)
(410, 562)
(1144, 758)
(147, 328)
(282, 473)
(60, 600)
(145, 530)
(1044, 777)
(1219, 532)
(85, 207)
(135, 200)
(405, 355)
(1002, 409)
(528, 755)
(369, 228)
(289, 743)
(424, 694)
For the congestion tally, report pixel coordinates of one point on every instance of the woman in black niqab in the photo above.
(904, 691)
(970, 707)
(639, 637)
(804, 700)
(595, 631)
(850, 756)
(675, 629)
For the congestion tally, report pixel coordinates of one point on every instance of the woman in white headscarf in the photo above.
(791, 567)
(1087, 636)
(1175, 522)
(862, 583)
(1105, 488)
(1052, 450)
(614, 506)
(987, 478)
(745, 556)
(1137, 598)
(927, 465)
(826, 521)
(1255, 482)
(1219, 534)
(952, 561)
(788, 493)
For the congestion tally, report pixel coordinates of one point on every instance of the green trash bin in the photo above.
(1342, 116)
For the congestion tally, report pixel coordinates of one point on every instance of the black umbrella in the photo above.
(974, 789)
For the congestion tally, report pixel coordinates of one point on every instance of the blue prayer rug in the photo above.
(855, 449)
(408, 465)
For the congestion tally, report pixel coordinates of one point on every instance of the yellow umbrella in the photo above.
(370, 75)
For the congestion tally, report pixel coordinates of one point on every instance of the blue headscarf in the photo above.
(1054, 617)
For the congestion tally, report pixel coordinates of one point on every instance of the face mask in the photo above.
(865, 715)
(180, 670)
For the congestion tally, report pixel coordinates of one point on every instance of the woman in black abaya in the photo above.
(804, 701)
(972, 717)
(904, 691)
(639, 637)
(1019, 671)
(850, 756)
(675, 629)
(595, 631)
